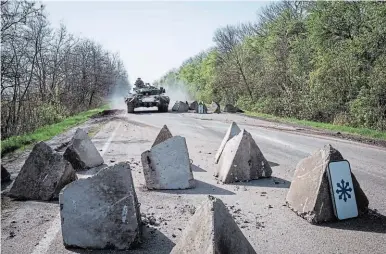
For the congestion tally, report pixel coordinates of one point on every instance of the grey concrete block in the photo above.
(167, 165)
(309, 193)
(43, 175)
(163, 135)
(242, 160)
(212, 230)
(101, 212)
(232, 131)
(82, 153)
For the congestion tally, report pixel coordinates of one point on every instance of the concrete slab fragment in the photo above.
(167, 165)
(232, 131)
(101, 212)
(242, 160)
(180, 106)
(163, 135)
(43, 175)
(82, 153)
(212, 230)
(309, 193)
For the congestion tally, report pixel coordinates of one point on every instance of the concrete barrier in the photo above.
(242, 160)
(309, 194)
(167, 165)
(82, 153)
(163, 135)
(232, 131)
(212, 230)
(43, 175)
(101, 212)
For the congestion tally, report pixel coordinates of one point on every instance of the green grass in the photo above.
(46, 132)
(364, 132)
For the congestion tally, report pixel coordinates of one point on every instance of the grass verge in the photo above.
(46, 132)
(364, 132)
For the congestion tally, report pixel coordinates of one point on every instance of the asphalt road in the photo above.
(270, 226)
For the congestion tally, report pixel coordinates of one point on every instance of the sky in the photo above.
(151, 37)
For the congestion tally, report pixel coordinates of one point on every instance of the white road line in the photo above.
(53, 230)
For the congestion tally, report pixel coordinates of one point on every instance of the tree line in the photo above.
(48, 74)
(321, 61)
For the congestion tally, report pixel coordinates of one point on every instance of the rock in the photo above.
(5, 175)
(242, 160)
(102, 211)
(193, 105)
(82, 153)
(163, 135)
(180, 106)
(167, 165)
(309, 194)
(43, 175)
(232, 131)
(215, 107)
(212, 230)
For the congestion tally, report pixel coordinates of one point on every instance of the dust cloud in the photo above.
(116, 98)
(177, 92)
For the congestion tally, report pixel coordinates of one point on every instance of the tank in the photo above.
(147, 96)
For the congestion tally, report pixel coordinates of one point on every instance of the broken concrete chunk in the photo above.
(5, 175)
(309, 194)
(82, 153)
(102, 211)
(43, 175)
(212, 230)
(167, 165)
(215, 107)
(232, 131)
(193, 105)
(163, 135)
(180, 106)
(242, 160)
(230, 108)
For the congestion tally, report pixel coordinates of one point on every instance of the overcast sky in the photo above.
(151, 37)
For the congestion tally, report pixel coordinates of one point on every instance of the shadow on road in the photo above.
(201, 188)
(273, 164)
(153, 242)
(273, 182)
(371, 222)
(196, 168)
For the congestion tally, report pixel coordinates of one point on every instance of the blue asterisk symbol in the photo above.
(343, 190)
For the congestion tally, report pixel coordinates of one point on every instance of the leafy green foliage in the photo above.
(319, 61)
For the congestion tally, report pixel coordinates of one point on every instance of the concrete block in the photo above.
(163, 135)
(43, 175)
(180, 106)
(232, 131)
(82, 153)
(242, 160)
(167, 165)
(212, 230)
(101, 212)
(309, 194)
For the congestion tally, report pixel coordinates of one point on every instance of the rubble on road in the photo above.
(5, 175)
(101, 212)
(180, 106)
(232, 109)
(212, 230)
(193, 105)
(82, 153)
(43, 175)
(309, 193)
(232, 131)
(242, 160)
(215, 108)
(162, 136)
(167, 165)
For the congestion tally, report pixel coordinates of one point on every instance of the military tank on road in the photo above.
(146, 95)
